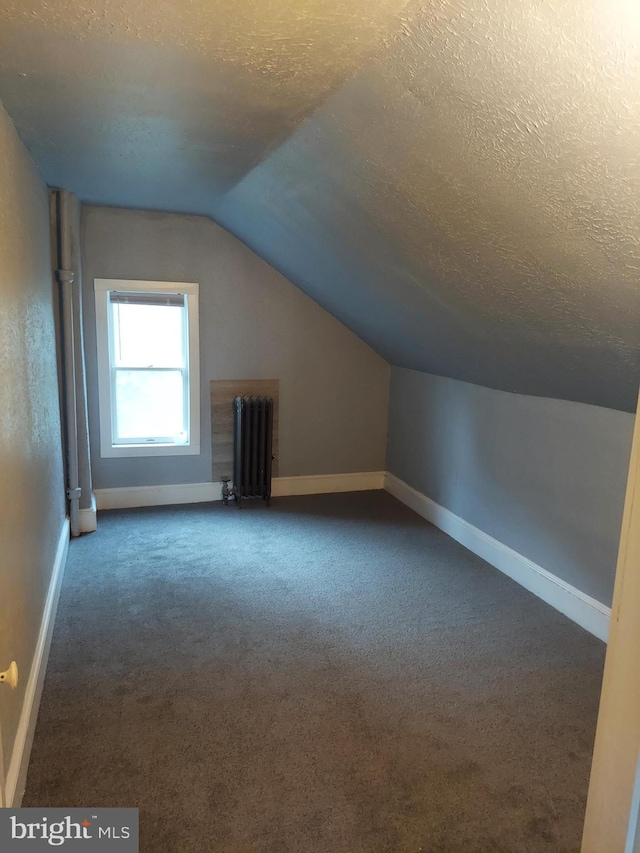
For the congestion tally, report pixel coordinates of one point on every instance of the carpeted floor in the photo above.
(330, 675)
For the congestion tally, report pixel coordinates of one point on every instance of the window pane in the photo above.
(148, 335)
(150, 404)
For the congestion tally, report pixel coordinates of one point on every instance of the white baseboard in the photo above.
(321, 484)
(581, 608)
(187, 493)
(89, 517)
(17, 773)
(134, 496)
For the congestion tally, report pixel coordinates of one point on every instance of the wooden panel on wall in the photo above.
(223, 393)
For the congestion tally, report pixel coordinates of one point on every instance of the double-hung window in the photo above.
(148, 367)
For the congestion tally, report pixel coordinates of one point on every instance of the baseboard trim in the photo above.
(136, 496)
(89, 517)
(587, 612)
(186, 493)
(18, 766)
(322, 484)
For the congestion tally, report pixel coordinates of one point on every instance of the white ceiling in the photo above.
(457, 180)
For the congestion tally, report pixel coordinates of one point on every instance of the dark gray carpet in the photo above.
(330, 674)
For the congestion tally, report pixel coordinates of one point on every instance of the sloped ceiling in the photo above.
(456, 180)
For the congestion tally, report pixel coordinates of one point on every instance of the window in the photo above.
(148, 367)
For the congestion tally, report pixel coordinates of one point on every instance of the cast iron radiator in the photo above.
(252, 455)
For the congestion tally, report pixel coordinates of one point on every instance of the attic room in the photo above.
(320, 356)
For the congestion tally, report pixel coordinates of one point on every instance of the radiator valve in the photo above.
(227, 491)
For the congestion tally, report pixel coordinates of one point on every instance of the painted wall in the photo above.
(253, 324)
(31, 484)
(545, 477)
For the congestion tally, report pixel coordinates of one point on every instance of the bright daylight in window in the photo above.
(147, 335)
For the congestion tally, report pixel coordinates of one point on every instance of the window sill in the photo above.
(132, 450)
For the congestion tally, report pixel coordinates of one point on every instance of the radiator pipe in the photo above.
(66, 278)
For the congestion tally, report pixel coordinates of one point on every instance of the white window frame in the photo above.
(102, 287)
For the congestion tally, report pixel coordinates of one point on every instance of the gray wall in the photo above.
(545, 477)
(31, 486)
(253, 324)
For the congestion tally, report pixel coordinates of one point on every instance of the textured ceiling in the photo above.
(457, 180)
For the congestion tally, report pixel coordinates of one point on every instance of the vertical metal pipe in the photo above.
(269, 453)
(66, 277)
(84, 454)
(237, 451)
(246, 445)
(261, 447)
(253, 461)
